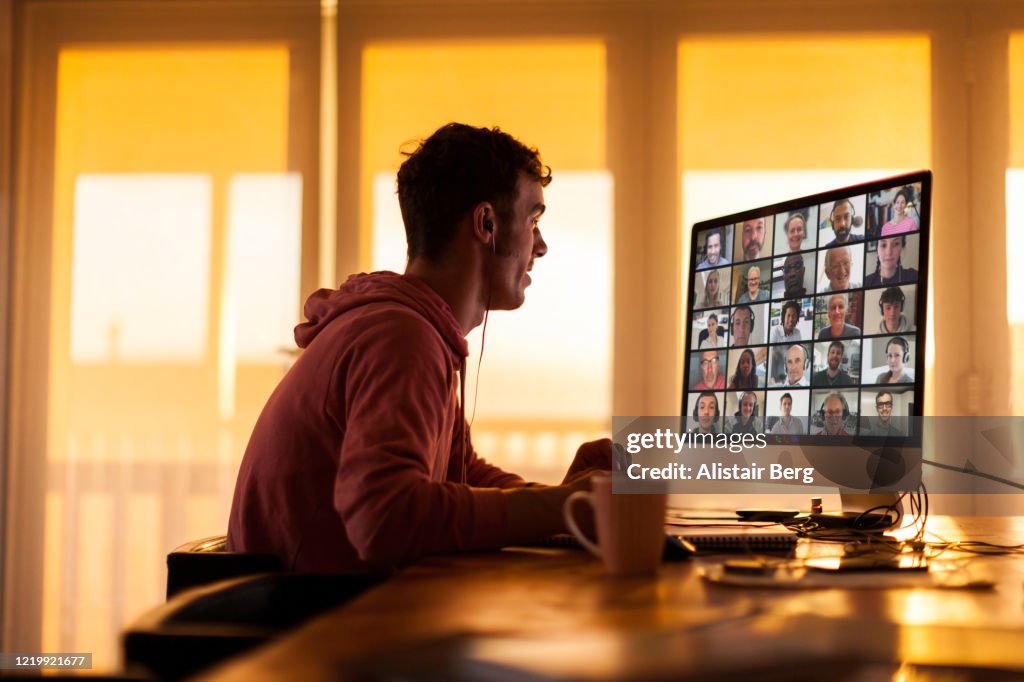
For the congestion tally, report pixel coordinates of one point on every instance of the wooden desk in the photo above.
(554, 613)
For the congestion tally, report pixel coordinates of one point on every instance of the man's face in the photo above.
(747, 405)
(517, 244)
(709, 367)
(753, 281)
(837, 313)
(789, 319)
(891, 311)
(837, 268)
(753, 238)
(795, 233)
(883, 404)
(842, 221)
(793, 273)
(794, 364)
(787, 407)
(741, 327)
(894, 357)
(714, 248)
(707, 405)
(833, 415)
(889, 251)
(835, 358)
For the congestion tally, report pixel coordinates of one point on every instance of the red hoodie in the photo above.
(356, 463)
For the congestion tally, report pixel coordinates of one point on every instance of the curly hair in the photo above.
(452, 171)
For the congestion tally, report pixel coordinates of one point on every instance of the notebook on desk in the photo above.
(736, 537)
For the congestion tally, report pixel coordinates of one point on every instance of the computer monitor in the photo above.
(806, 321)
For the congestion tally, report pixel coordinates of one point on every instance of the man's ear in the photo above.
(483, 222)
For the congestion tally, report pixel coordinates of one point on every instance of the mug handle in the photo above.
(571, 522)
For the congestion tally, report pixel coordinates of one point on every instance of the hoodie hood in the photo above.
(324, 305)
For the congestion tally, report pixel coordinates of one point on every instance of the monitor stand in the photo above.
(886, 513)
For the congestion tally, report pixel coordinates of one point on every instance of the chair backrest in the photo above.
(205, 625)
(201, 562)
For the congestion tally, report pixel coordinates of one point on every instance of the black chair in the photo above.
(205, 625)
(205, 561)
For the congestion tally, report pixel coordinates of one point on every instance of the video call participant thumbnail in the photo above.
(747, 325)
(833, 373)
(889, 255)
(753, 238)
(797, 367)
(897, 357)
(838, 327)
(846, 224)
(713, 289)
(714, 241)
(787, 330)
(708, 370)
(888, 421)
(706, 412)
(786, 423)
(752, 285)
(834, 417)
(892, 303)
(795, 231)
(795, 281)
(841, 268)
(745, 369)
(746, 419)
(713, 334)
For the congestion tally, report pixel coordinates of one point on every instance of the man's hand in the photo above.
(591, 457)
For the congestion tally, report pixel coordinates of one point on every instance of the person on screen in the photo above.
(838, 266)
(361, 460)
(796, 366)
(900, 221)
(742, 325)
(713, 296)
(796, 231)
(897, 355)
(787, 424)
(706, 413)
(787, 331)
(890, 269)
(752, 238)
(746, 419)
(753, 293)
(834, 412)
(746, 372)
(711, 337)
(712, 380)
(883, 424)
(890, 304)
(833, 374)
(793, 277)
(713, 250)
(843, 219)
(838, 328)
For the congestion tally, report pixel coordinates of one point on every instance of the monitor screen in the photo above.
(806, 318)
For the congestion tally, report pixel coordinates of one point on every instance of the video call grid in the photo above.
(862, 390)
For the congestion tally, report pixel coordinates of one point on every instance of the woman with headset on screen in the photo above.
(897, 355)
(746, 419)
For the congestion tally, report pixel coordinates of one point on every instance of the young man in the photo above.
(361, 459)
(833, 374)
